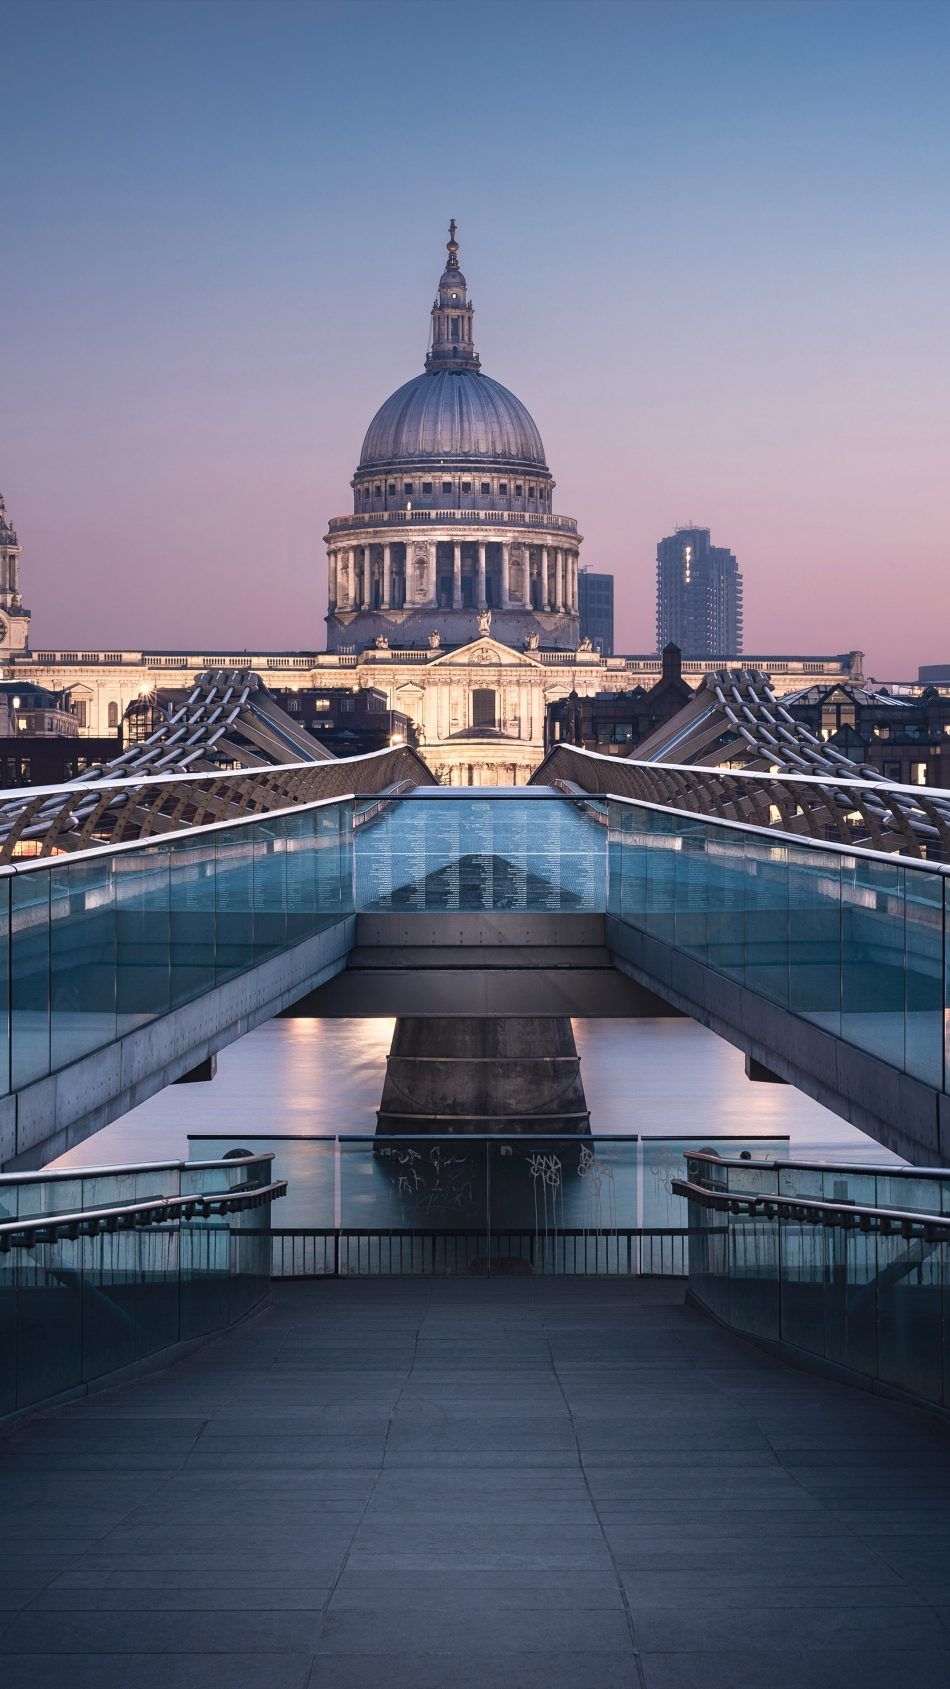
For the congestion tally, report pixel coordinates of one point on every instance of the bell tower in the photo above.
(14, 620)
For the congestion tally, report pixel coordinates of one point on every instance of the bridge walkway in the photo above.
(514, 1484)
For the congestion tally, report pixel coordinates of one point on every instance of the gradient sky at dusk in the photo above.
(707, 245)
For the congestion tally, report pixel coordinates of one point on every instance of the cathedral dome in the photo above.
(453, 414)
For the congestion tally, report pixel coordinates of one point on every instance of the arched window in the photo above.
(113, 715)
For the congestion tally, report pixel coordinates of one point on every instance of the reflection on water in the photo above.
(656, 1077)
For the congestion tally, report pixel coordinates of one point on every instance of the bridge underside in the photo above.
(494, 963)
(902, 1113)
(43, 1120)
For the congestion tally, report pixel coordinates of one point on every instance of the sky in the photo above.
(707, 245)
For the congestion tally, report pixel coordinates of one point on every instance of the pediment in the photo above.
(480, 652)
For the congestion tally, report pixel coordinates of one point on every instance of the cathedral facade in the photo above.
(453, 586)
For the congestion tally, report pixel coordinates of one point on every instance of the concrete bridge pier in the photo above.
(487, 1073)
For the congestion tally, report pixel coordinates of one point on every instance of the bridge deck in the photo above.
(511, 1484)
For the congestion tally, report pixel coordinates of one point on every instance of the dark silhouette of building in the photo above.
(596, 599)
(615, 723)
(698, 595)
(348, 720)
(905, 735)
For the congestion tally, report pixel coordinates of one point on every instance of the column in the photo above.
(542, 595)
(559, 562)
(366, 573)
(387, 578)
(480, 582)
(457, 575)
(431, 572)
(331, 579)
(575, 587)
(506, 574)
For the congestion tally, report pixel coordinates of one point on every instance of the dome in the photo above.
(453, 413)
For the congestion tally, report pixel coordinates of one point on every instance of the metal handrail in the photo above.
(777, 835)
(42, 1174)
(90, 1222)
(898, 1170)
(845, 1215)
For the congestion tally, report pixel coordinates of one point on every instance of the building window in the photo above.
(427, 486)
(486, 488)
(391, 488)
(378, 491)
(483, 707)
(293, 706)
(519, 489)
(466, 486)
(446, 486)
(503, 486)
(321, 703)
(531, 492)
(346, 706)
(82, 711)
(407, 486)
(113, 715)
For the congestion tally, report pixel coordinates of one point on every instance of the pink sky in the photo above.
(715, 273)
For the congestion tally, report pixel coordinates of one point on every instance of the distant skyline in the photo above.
(707, 244)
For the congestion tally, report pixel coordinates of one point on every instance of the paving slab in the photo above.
(511, 1484)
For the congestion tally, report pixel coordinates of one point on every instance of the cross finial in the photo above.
(453, 247)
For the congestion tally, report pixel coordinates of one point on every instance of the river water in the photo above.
(657, 1078)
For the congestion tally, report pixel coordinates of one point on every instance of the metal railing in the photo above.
(97, 1286)
(156, 1211)
(48, 820)
(493, 518)
(833, 808)
(346, 1252)
(860, 1285)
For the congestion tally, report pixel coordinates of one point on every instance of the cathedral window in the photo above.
(407, 486)
(484, 701)
(531, 492)
(503, 487)
(519, 489)
(391, 488)
(378, 491)
(427, 486)
(466, 486)
(446, 486)
(486, 488)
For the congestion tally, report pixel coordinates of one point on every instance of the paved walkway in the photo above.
(547, 1484)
